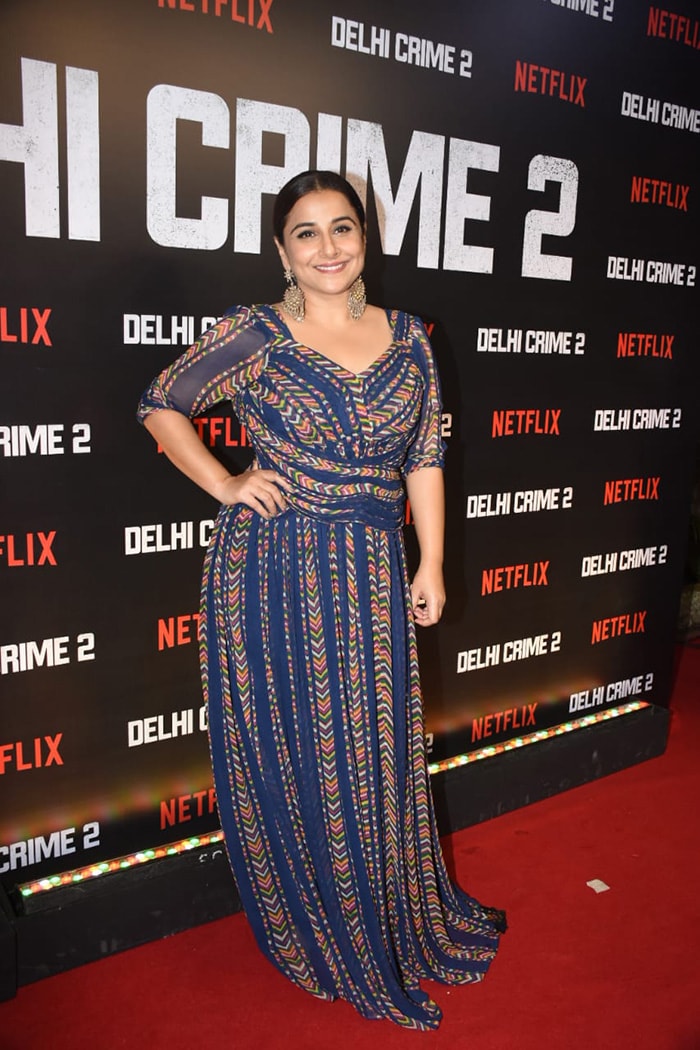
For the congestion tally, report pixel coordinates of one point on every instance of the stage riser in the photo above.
(69, 926)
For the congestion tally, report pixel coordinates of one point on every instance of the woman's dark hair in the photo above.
(308, 182)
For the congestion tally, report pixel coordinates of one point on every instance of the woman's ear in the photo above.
(282, 254)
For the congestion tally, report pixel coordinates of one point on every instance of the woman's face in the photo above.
(324, 244)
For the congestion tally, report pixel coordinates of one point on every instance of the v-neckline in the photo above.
(335, 365)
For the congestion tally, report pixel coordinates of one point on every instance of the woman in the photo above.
(308, 641)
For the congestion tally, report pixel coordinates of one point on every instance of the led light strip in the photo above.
(535, 738)
(108, 867)
(132, 860)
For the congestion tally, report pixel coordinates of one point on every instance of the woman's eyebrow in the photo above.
(300, 224)
(340, 218)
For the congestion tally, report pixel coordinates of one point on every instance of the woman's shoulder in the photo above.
(244, 317)
(405, 325)
(249, 313)
(233, 319)
(238, 314)
(239, 333)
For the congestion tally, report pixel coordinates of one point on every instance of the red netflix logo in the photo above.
(657, 191)
(220, 430)
(177, 630)
(32, 548)
(43, 751)
(616, 626)
(626, 490)
(182, 808)
(500, 721)
(232, 433)
(253, 12)
(541, 80)
(669, 25)
(509, 577)
(26, 325)
(510, 421)
(645, 344)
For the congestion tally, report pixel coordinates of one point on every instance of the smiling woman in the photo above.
(320, 244)
(322, 248)
(309, 659)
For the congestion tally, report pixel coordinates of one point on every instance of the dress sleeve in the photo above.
(227, 357)
(427, 448)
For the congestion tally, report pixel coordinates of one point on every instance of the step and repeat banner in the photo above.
(531, 174)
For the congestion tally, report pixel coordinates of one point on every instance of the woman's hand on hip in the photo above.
(261, 490)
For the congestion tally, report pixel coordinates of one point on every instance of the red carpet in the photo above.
(577, 969)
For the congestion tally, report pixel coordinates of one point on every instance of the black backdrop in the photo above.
(530, 169)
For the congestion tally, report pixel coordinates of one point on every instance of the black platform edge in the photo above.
(472, 793)
(8, 948)
(77, 924)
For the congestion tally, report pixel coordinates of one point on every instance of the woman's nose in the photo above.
(328, 246)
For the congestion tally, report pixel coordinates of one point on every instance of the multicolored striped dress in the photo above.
(310, 670)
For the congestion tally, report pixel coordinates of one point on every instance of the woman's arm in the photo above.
(426, 493)
(258, 489)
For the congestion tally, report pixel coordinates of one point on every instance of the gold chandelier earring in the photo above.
(357, 298)
(293, 298)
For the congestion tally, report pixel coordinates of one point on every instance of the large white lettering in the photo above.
(253, 178)
(463, 205)
(434, 169)
(34, 144)
(167, 105)
(366, 153)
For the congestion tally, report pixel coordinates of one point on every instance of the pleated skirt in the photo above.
(310, 671)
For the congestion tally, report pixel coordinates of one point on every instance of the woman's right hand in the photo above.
(261, 490)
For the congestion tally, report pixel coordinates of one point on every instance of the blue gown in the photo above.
(310, 671)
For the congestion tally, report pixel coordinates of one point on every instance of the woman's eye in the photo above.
(306, 233)
(343, 229)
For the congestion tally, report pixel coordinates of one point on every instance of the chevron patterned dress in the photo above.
(310, 671)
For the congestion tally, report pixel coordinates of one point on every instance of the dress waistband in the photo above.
(368, 493)
(365, 509)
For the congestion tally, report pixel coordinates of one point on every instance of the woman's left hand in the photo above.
(427, 595)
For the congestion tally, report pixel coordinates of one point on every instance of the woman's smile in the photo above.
(331, 267)
(324, 244)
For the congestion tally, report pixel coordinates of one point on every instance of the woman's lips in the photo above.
(330, 267)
